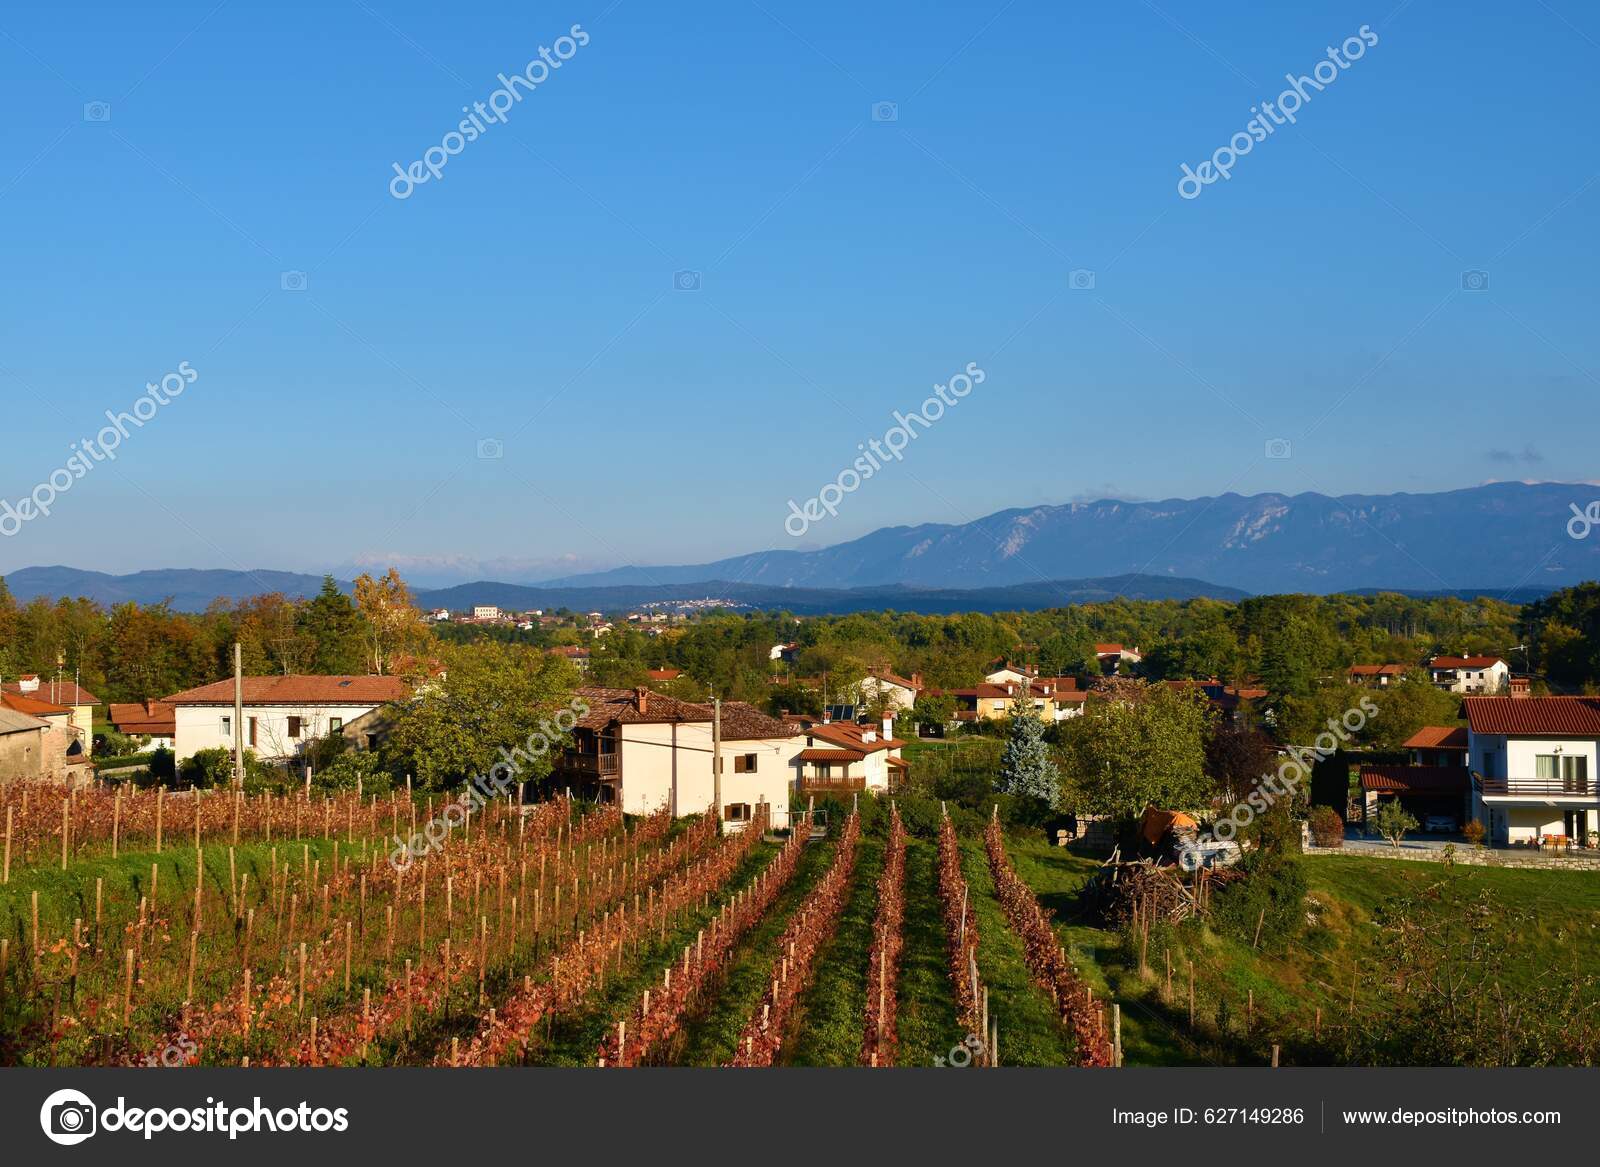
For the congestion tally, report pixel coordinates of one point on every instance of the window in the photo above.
(227, 727)
(1572, 770)
(744, 764)
(252, 731)
(335, 724)
(294, 727)
(736, 812)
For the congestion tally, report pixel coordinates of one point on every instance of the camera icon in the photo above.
(1278, 448)
(1475, 281)
(491, 448)
(68, 1117)
(885, 111)
(686, 281)
(1081, 280)
(97, 111)
(293, 281)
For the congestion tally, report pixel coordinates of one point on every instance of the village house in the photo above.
(1533, 763)
(152, 723)
(783, 652)
(1438, 745)
(1470, 674)
(38, 748)
(282, 715)
(649, 751)
(68, 693)
(842, 757)
(1375, 676)
(1052, 699)
(1005, 672)
(1115, 658)
(895, 692)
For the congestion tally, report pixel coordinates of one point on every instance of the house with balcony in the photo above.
(1533, 765)
(843, 757)
(1470, 674)
(647, 751)
(282, 715)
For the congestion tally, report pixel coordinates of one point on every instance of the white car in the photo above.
(1441, 823)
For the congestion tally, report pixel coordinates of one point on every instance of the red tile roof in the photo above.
(1437, 737)
(298, 689)
(1416, 779)
(740, 722)
(1378, 670)
(66, 692)
(664, 674)
(818, 754)
(1534, 716)
(156, 718)
(32, 706)
(1464, 662)
(893, 679)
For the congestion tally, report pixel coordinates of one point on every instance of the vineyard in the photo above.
(171, 928)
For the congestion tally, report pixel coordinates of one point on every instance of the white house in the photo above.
(842, 757)
(1010, 674)
(897, 693)
(1470, 674)
(153, 723)
(281, 714)
(1533, 763)
(649, 751)
(485, 612)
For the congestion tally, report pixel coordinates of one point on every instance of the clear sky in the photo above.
(847, 262)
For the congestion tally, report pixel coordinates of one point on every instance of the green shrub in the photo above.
(1270, 897)
(1327, 827)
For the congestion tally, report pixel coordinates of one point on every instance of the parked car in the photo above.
(1440, 822)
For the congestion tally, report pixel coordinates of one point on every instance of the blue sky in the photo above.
(847, 264)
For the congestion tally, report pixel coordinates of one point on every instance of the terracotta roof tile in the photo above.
(1437, 737)
(1534, 716)
(1416, 779)
(298, 689)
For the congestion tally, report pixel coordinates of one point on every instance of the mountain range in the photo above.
(1508, 539)
(1496, 536)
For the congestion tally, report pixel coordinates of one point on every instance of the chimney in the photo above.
(888, 726)
(1520, 686)
(916, 680)
(1011, 690)
(641, 698)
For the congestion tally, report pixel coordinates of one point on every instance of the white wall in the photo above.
(648, 779)
(199, 727)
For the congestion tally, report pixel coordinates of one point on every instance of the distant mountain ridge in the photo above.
(195, 590)
(1498, 536)
(1504, 539)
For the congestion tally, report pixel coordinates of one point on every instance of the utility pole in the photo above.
(238, 716)
(716, 759)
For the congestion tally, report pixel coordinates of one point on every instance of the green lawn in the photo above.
(1316, 970)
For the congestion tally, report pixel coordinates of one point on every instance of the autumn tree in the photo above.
(393, 624)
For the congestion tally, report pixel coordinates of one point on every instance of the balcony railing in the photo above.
(814, 784)
(591, 765)
(1574, 788)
